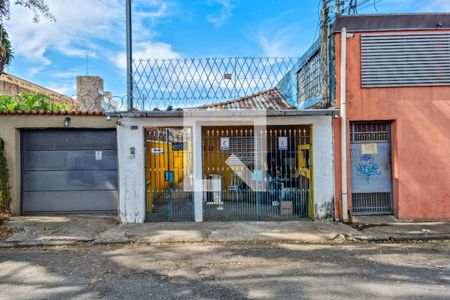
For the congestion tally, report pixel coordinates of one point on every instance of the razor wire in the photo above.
(62, 103)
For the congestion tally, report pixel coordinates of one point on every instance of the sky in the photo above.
(88, 37)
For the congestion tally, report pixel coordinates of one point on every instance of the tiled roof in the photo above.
(46, 112)
(266, 100)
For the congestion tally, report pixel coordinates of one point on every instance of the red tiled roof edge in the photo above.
(52, 113)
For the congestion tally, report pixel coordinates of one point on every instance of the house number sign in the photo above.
(98, 155)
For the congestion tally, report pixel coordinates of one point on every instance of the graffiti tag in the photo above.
(367, 167)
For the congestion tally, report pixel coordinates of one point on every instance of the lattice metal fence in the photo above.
(180, 83)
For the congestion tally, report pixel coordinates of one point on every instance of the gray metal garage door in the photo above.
(68, 171)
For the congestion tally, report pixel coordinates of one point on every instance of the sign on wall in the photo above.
(157, 150)
(282, 143)
(179, 146)
(224, 144)
(369, 148)
(169, 176)
(98, 155)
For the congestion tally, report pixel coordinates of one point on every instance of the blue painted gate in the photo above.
(371, 172)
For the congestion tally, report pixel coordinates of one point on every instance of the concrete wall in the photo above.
(12, 85)
(421, 140)
(10, 126)
(132, 174)
(90, 92)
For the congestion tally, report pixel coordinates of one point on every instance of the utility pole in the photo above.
(129, 56)
(337, 9)
(324, 52)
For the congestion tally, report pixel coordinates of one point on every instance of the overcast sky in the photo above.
(53, 53)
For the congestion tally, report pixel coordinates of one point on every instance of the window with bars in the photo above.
(370, 132)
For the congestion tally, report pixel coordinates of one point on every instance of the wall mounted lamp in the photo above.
(66, 122)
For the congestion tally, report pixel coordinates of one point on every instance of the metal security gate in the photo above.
(237, 189)
(69, 170)
(371, 175)
(169, 174)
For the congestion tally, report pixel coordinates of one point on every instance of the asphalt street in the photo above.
(228, 271)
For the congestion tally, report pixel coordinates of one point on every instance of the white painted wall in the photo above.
(131, 173)
(132, 169)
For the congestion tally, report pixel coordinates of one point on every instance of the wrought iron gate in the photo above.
(284, 175)
(169, 174)
(371, 175)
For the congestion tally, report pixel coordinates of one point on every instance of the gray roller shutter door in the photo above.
(69, 171)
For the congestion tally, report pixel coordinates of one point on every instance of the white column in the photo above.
(131, 172)
(323, 167)
(198, 172)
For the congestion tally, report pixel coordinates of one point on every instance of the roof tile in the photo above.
(270, 99)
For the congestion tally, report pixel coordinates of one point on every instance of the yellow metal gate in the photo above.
(285, 172)
(169, 174)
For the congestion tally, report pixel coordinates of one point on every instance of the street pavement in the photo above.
(419, 270)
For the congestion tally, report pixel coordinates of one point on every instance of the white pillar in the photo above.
(131, 172)
(198, 172)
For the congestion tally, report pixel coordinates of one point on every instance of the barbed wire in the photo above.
(78, 103)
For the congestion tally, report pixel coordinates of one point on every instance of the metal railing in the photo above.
(285, 153)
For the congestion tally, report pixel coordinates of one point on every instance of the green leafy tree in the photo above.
(30, 101)
(6, 53)
(39, 8)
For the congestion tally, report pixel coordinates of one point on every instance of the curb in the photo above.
(339, 239)
(411, 238)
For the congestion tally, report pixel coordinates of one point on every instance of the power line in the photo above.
(355, 6)
(319, 20)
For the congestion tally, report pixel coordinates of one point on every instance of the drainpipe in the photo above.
(343, 111)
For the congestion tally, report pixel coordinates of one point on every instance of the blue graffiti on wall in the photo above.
(367, 167)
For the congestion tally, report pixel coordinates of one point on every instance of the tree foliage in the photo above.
(30, 101)
(5, 189)
(39, 8)
(6, 53)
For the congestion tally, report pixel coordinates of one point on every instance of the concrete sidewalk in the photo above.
(68, 230)
(56, 230)
(222, 232)
(385, 228)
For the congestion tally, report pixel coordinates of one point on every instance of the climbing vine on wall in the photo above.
(5, 192)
